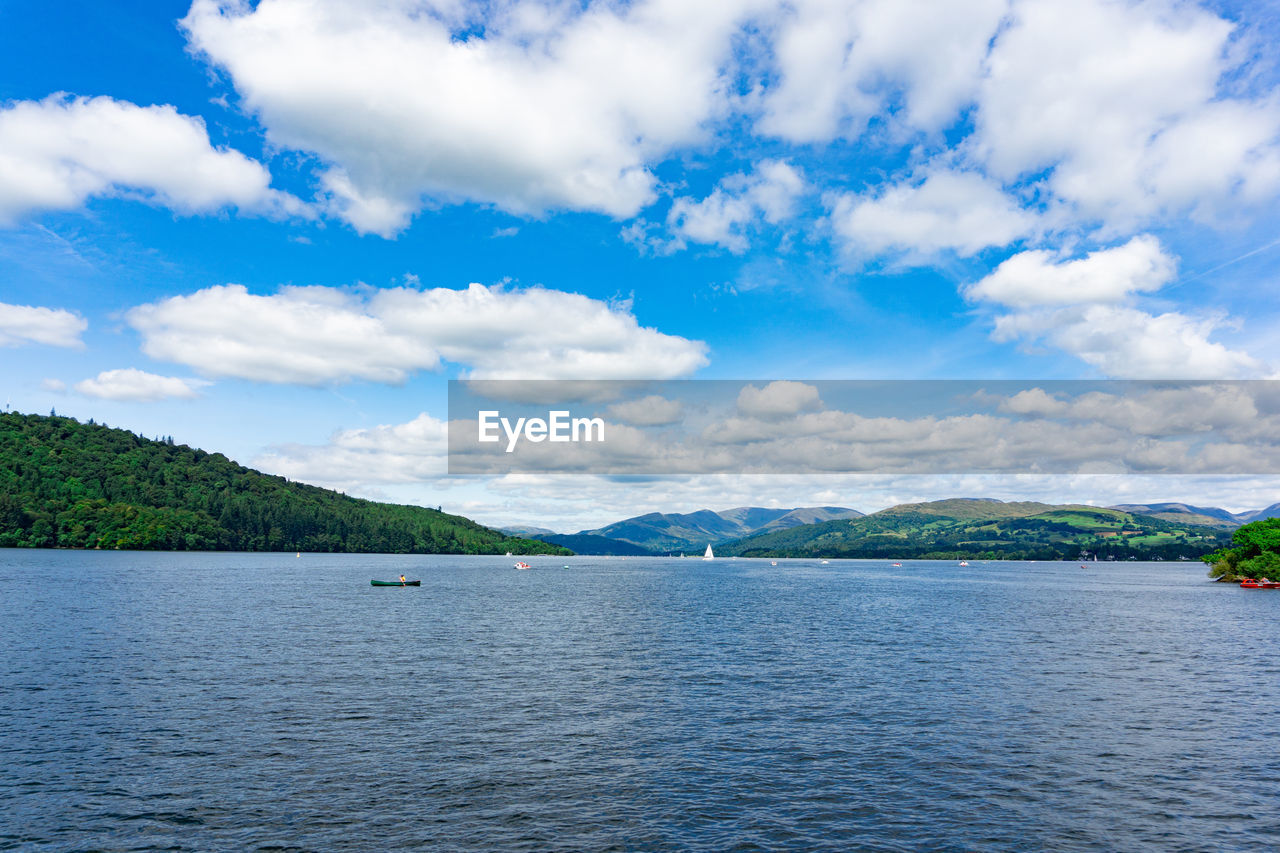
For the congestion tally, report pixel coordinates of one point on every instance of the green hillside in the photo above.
(987, 530)
(64, 484)
(662, 533)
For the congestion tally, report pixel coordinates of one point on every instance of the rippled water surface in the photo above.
(250, 701)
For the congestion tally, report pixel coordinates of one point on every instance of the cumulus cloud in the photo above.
(737, 204)
(357, 459)
(1127, 342)
(1229, 408)
(1073, 305)
(57, 153)
(138, 386)
(1107, 275)
(1118, 113)
(319, 335)
(1118, 105)
(652, 410)
(528, 107)
(1111, 112)
(27, 324)
(841, 63)
(779, 399)
(962, 212)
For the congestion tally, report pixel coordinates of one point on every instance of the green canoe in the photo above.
(396, 583)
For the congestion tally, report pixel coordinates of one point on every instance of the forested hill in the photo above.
(64, 484)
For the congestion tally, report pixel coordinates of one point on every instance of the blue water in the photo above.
(249, 701)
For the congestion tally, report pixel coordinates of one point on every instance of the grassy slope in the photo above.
(990, 530)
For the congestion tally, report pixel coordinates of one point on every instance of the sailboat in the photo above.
(708, 555)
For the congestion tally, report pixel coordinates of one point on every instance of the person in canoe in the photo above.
(402, 579)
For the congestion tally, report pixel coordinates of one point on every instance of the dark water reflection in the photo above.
(243, 701)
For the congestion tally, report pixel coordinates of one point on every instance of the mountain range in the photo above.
(956, 526)
(1201, 514)
(990, 529)
(663, 533)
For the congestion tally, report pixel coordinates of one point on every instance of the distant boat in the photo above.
(523, 565)
(395, 583)
(774, 563)
(825, 563)
(897, 565)
(963, 563)
(299, 554)
(708, 555)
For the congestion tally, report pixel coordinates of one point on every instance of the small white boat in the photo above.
(708, 555)
(523, 565)
(963, 563)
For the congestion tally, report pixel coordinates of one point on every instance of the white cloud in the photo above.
(57, 153)
(318, 335)
(530, 108)
(357, 459)
(537, 334)
(737, 204)
(780, 399)
(916, 62)
(1107, 275)
(27, 324)
(138, 386)
(1073, 305)
(1131, 343)
(306, 335)
(652, 410)
(961, 212)
(1228, 408)
(1111, 112)
(1118, 105)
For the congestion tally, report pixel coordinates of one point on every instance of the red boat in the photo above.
(1250, 583)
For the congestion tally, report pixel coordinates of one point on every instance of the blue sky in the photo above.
(257, 227)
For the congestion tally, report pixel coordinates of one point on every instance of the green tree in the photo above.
(1255, 553)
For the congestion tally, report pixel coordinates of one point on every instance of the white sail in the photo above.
(708, 555)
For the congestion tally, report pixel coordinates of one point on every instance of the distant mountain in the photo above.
(1272, 511)
(587, 545)
(64, 484)
(1171, 511)
(808, 515)
(989, 529)
(527, 531)
(693, 531)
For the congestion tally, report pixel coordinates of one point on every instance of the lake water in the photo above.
(261, 701)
